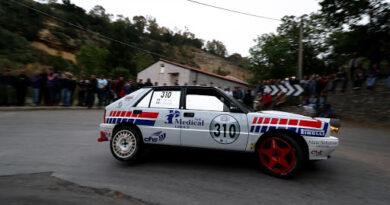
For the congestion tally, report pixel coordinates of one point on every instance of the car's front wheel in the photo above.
(126, 144)
(279, 155)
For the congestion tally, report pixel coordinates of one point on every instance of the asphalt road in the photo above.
(52, 157)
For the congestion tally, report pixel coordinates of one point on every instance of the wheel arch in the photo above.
(295, 136)
(128, 124)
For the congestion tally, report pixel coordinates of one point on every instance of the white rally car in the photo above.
(206, 117)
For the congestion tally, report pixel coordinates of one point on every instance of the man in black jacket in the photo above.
(91, 90)
(21, 85)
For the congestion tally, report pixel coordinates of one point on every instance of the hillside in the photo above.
(69, 38)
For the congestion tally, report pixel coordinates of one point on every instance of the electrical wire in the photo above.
(234, 11)
(93, 32)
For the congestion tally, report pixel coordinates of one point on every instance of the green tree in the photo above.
(142, 60)
(92, 59)
(216, 47)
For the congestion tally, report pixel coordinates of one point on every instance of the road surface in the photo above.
(52, 157)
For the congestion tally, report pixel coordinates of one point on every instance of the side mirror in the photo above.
(234, 108)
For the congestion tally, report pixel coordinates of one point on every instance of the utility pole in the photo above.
(300, 51)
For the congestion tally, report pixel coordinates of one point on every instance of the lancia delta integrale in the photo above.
(206, 117)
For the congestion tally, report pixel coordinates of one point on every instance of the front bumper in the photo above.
(105, 132)
(321, 147)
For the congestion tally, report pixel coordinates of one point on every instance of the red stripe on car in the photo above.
(260, 120)
(254, 120)
(283, 122)
(312, 124)
(293, 122)
(148, 115)
(266, 120)
(123, 113)
(274, 121)
(128, 113)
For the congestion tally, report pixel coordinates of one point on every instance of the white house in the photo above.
(166, 72)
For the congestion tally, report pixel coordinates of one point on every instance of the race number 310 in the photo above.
(224, 129)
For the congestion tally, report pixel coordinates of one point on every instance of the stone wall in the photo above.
(363, 105)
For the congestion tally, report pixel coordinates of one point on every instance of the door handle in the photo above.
(189, 114)
(137, 112)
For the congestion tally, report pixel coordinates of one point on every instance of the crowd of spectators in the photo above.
(52, 87)
(56, 88)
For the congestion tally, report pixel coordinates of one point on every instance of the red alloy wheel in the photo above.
(277, 155)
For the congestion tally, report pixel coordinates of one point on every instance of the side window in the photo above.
(145, 101)
(165, 99)
(205, 100)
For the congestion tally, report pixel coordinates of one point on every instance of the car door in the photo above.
(162, 104)
(206, 121)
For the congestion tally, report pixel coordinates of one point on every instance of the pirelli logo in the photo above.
(310, 132)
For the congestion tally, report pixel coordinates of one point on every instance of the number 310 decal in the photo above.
(224, 129)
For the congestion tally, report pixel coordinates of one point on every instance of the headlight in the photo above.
(334, 129)
(334, 125)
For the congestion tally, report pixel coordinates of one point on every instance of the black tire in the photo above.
(279, 155)
(126, 144)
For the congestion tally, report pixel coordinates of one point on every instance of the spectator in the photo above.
(148, 82)
(156, 83)
(51, 84)
(358, 78)
(194, 82)
(119, 88)
(91, 90)
(322, 101)
(312, 101)
(82, 90)
(258, 103)
(372, 74)
(228, 91)
(312, 85)
(66, 89)
(176, 82)
(353, 64)
(101, 86)
(266, 101)
(72, 87)
(109, 92)
(36, 85)
(248, 99)
(140, 84)
(7, 83)
(305, 84)
(21, 85)
(327, 112)
(341, 76)
(280, 100)
(259, 87)
(128, 87)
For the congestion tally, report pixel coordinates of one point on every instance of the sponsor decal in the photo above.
(325, 144)
(174, 118)
(156, 137)
(119, 104)
(224, 129)
(311, 132)
(128, 98)
(316, 152)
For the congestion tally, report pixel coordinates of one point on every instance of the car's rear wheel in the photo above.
(279, 155)
(126, 144)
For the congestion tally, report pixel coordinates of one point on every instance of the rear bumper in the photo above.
(105, 132)
(321, 147)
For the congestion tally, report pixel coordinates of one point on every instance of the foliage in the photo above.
(15, 48)
(142, 60)
(216, 47)
(92, 59)
(121, 72)
(219, 71)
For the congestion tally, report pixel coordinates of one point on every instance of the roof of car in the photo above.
(181, 86)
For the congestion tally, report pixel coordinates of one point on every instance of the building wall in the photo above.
(184, 76)
(154, 73)
(207, 79)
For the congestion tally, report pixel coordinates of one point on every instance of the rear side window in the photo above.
(165, 99)
(145, 101)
